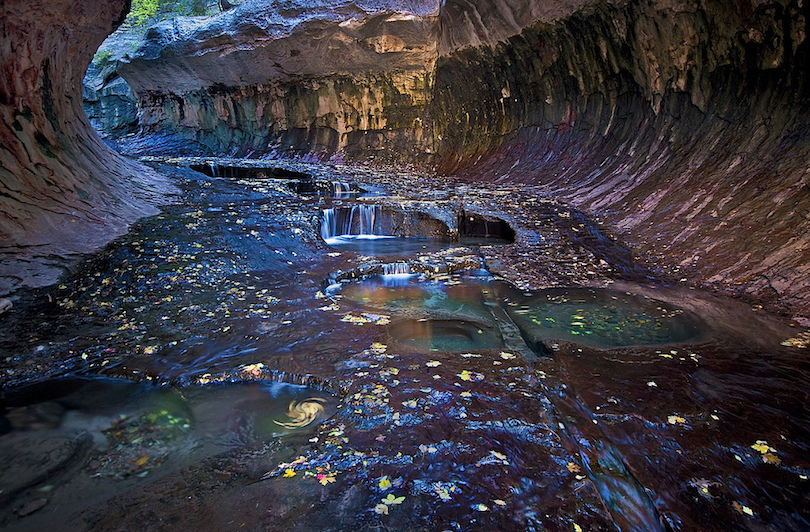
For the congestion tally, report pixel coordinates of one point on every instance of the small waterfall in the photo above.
(328, 224)
(396, 268)
(341, 189)
(366, 214)
(396, 274)
(357, 221)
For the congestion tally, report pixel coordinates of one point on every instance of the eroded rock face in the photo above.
(293, 77)
(685, 124)
(62, 191)
(109, 103)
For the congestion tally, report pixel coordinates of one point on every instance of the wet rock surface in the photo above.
(62, 191)
(230, 286)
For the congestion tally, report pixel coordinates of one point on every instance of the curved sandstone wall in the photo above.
(685, 125)
(62, 191)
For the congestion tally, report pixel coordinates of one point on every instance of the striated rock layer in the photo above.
(685, 125)
(292, 78)
(62, 191)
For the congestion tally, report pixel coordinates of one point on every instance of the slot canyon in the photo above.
(405, 265)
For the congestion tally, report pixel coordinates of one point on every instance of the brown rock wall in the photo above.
(62, 191)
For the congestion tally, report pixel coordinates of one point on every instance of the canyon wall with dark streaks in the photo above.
(62, 190)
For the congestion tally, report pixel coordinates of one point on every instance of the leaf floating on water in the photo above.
(769, 458)
(675, 419)
(801, 340)
(473, 376)
(391, 499)
(381, 509)
(763, 447)
(743, 509)
(481, 507)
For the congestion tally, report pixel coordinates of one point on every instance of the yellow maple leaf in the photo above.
(289, 473)
(763, 447)
(385, 483)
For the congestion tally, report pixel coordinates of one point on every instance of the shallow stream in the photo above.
(318, 347)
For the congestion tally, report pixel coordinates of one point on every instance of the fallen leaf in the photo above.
(381, 509)
(674, 419)
(763, 447)
(743, 509)
(385, 483)
(390, 499)
(769, 458)
(289, 473)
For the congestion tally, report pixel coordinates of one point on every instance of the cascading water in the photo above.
(357, 222)
(396, 274)
(396, 268)
(341, 189)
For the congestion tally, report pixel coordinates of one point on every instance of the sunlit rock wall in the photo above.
(293, 78)
(685, 125)
(62, 191)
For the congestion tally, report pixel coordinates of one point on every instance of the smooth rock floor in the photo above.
(231, 285)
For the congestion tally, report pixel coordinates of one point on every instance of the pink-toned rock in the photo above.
(62, 191)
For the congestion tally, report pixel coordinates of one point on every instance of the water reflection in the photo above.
(601, 318)
(87, 435)
(454, 336)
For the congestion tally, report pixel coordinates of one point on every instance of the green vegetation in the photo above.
(147, 12)
(142, 11)
(102, 58)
